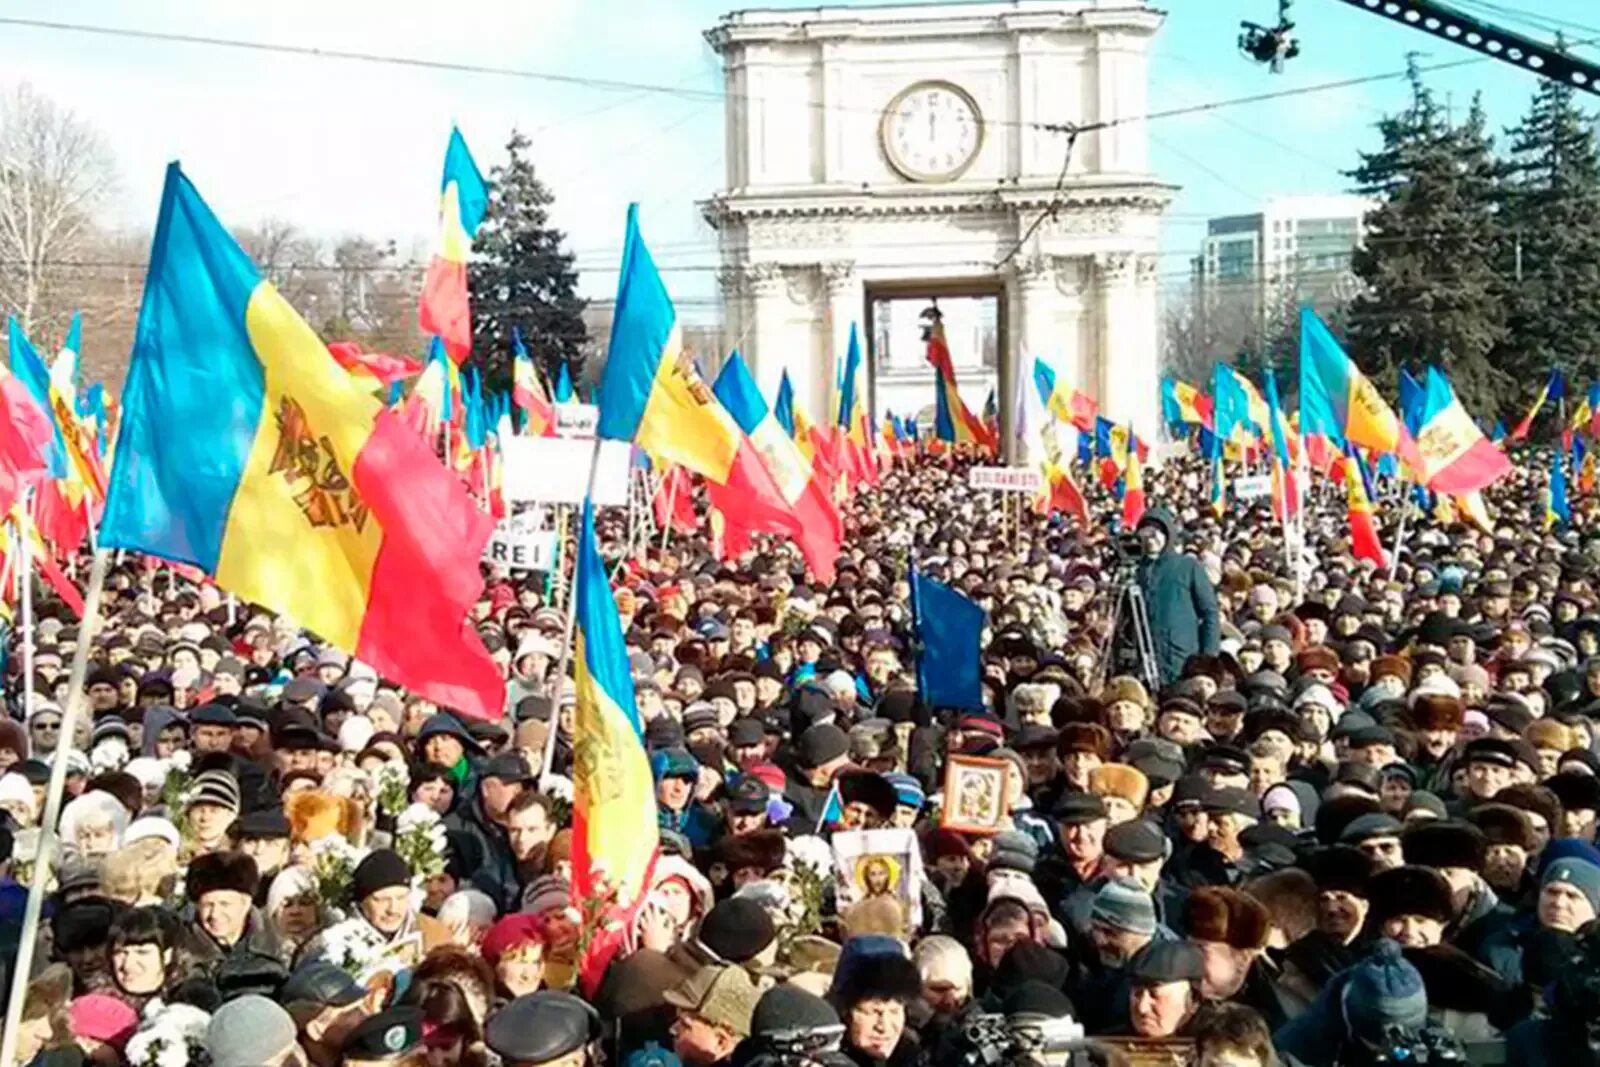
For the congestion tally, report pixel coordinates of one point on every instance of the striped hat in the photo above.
(215, 787)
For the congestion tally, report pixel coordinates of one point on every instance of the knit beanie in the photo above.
(381, 869)
(1580, 874)
(215, 787)
(1383, 991)
(1014, 851)
(1122, 903)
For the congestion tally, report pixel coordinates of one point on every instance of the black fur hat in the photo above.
(221, 870)
(873, 975)
(1445, 843)
(1410, 891)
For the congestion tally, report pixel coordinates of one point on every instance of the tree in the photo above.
(1431, 291)
(54, 172)
(1552, 259)
(522, 276)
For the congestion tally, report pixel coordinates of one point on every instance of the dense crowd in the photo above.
(1352, 821)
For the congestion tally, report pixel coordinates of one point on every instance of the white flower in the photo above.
(811, 851)
(179, 761)
(109, 755)
(416, 815)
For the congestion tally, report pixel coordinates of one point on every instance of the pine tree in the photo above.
(1432, 293)
(1551, 261)
(522, 276)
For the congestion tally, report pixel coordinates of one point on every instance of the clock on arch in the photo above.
(931, 131)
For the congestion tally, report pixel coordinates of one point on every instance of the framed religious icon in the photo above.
(974, 794)
(879, 865)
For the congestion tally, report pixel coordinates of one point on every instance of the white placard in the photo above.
(1004, 479)
(1252, 486)
(576, 420)
(555, 470)
(519, 549)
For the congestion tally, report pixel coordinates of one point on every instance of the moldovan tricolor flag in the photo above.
(463, 200)
(1364, 542)
(245, 450)
(1132, 488)
(373, 371)
(651, 393)
(1453, 455)
(29, 369)
(538, 414)
(1285, 484)
(953, 422)
(802, 509)
(854, 441)
(1337, 401)
(614, 836)
(1556, 508)
(1555, 387)
(26, 433)
(1071, 406)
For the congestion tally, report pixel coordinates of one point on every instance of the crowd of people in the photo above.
(1341, 815)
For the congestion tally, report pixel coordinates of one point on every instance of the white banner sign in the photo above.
(576, 420)
(1004, 479)
(519, 549)
(555, 470)
(1252, 486)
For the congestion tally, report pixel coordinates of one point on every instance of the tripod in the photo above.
(1128, 610)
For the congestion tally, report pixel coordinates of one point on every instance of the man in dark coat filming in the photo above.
(1179, 598)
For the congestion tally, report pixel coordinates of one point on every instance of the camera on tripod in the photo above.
(989, 1040)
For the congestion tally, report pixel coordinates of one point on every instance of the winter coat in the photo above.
(496, 875)
(199, 953)
(1180, 602)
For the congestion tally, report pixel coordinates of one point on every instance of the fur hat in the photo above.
(1410, 890)
(1340, 869)
(1443, 843)
(1084, 737)
(1317, 658)
(1502, 825)
(1576, 791)
(763, 850)
(313, 815)
(1547, 733)
(874, 968)
(1392, 667)
(1126, 688)
(1437, 711)
(213, 871)
(1232, 916)
(1120, 780)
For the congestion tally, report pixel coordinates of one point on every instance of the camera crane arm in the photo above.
(1274, 44)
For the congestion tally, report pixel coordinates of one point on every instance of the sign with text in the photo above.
(555, 470)
(1252, 486)
(576, 420)
(1004, 479)
(511, 545)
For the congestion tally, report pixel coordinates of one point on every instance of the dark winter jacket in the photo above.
(1179, 600)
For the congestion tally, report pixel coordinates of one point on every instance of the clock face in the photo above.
(931, 131)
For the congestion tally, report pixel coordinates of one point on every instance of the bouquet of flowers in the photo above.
(393, 786)
(419, 838)
(172, 1035)
(333, 866)
(109, 755)
(352, 946)
(809, 864)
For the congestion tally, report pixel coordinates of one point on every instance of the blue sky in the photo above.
(339, 147)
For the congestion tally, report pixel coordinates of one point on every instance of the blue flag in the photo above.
(950, 629)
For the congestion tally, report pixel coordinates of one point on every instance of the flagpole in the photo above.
(1400, 533)
(26, 571)
(571, 625)
(52, 814)
(672, 502)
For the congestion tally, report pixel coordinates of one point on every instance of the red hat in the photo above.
(771, 774)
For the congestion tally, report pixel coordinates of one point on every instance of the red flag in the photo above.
(674, 502)
(381, 367)
(1062, 495)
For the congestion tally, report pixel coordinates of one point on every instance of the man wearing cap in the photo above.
(714, 1006)
(545, 1029)
(391, 1038)
(1162, 993)
(501, 780)
(326, 1004)
(264, 837)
